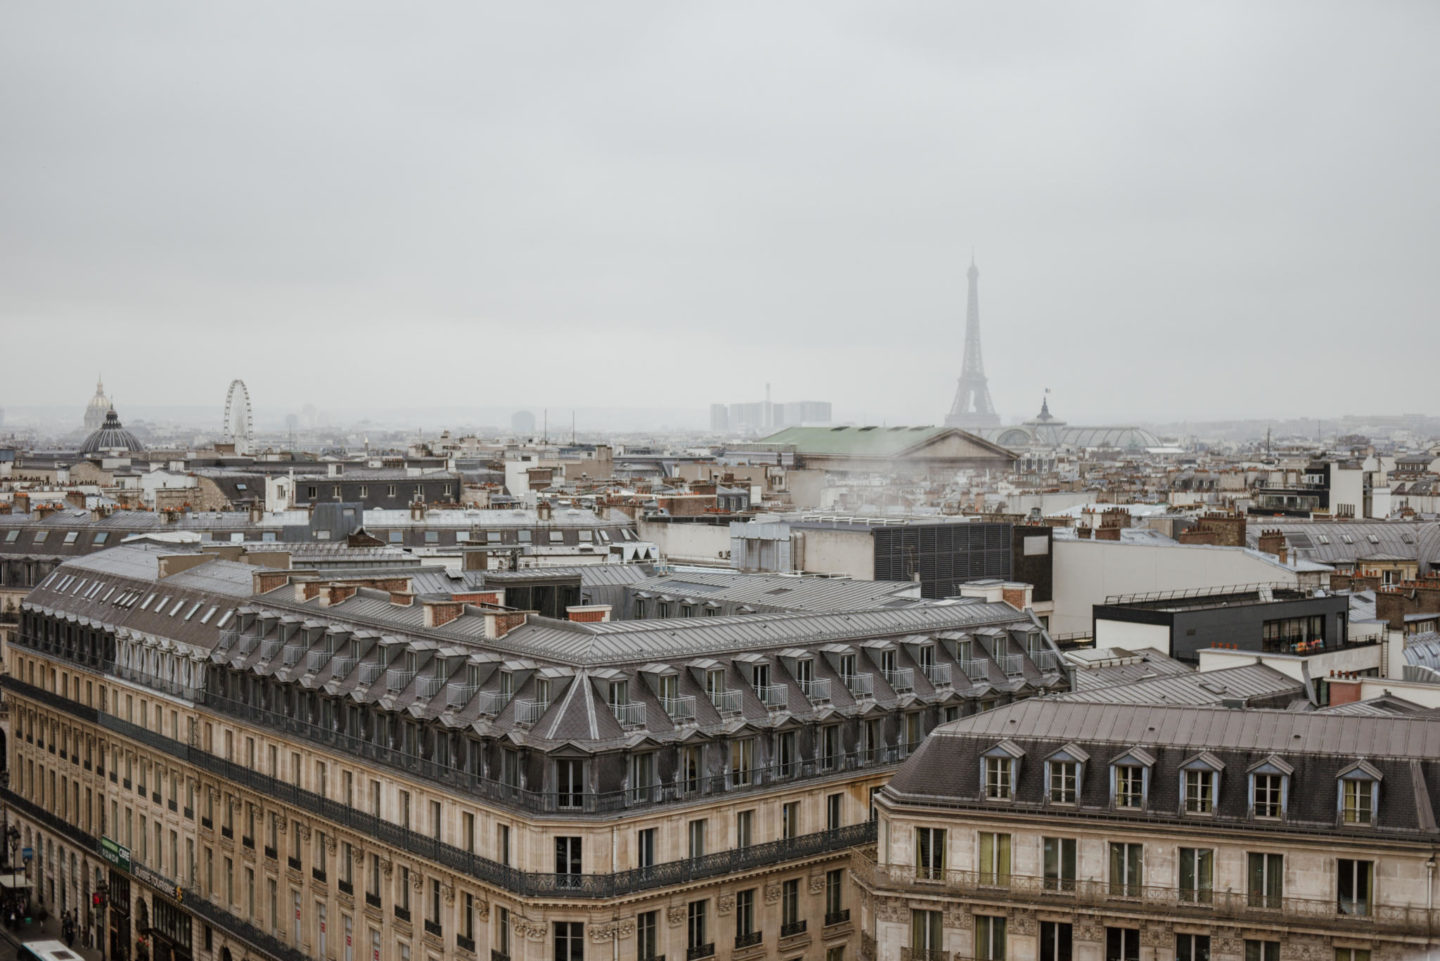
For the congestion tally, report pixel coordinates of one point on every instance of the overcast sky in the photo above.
(1178, 209)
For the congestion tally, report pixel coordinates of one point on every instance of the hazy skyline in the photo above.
(1198, 210)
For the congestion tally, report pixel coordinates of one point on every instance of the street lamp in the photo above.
(101, 901)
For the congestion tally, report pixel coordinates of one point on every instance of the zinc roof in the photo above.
(1256, 730)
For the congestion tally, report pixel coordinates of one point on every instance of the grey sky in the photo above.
(1179, 209)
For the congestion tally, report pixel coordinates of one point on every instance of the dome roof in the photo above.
(112, 436)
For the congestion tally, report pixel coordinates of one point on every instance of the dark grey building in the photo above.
(1262, 619)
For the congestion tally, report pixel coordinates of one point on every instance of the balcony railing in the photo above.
(727, 703)
(975, 667)
(680, 709)
(792, 929)
(492, 703)
(938, 675)
(833, 918)
(1181, 903)
(901, 679)
(429, 686)
(748, 939)
(817, 690)
(773, 696)
(529, 713)
(459, 695)
(699, 951)
(630, 714)
(1012, 664)
(1045, 661)
(860, 686)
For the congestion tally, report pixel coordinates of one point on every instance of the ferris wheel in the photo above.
(239, 430)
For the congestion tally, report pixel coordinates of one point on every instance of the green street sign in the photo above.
(116, 854)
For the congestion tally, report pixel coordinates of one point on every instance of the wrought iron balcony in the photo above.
(860, 686)
(938, 675)
(749, 939)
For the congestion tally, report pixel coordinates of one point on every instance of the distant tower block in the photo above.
(972, 407)
(239, 429)
(522, 423)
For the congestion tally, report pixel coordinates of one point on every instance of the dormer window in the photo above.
(668, 686)
(1130, 779)
(998, 770)
(507, 684)
(847, 665)
(1129, 786)
(619, 693)
(926, 657)
(1199, 783)
(1270, 788)
(1359, 794)
(1062, 774)
(999, 785)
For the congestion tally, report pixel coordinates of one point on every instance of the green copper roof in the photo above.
(855, 441)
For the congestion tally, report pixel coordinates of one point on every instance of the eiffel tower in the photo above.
(972, 407)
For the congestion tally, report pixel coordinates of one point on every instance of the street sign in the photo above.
(117, 854)
(27, 853)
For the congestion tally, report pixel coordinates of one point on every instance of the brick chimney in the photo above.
(588, 613)
(1272, 541)
(440, 613)
(402, 598)
(336, 593)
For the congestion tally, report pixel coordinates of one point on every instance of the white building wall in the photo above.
(1088, 571)
(1132, 636)
(687, 543)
